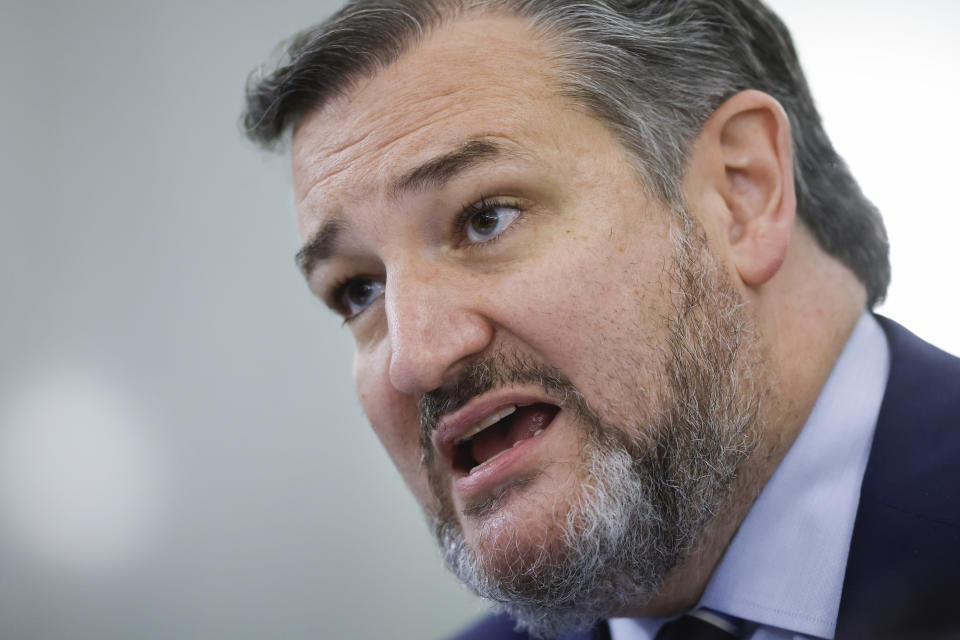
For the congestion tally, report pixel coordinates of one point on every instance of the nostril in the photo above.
(419, 364)
(433, 325)
(415, 370)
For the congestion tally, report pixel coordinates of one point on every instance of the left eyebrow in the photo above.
(320, 247)
(434, 173)
(437, 172)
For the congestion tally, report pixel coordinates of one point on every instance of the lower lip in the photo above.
(471, 486)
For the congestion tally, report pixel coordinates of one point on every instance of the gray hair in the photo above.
(652, 70)
(651, 487)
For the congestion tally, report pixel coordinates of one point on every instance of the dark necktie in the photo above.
(701, 624)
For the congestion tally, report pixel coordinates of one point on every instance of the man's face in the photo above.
(497, 258)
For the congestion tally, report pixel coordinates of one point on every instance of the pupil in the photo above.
(484, 223)
(360, 292)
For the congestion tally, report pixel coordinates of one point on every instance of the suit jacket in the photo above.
(903, 573)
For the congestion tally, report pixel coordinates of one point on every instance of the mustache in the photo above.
(486, 374)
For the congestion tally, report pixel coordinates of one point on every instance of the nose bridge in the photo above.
(434, 325)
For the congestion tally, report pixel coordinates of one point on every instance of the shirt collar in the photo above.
(784, 567)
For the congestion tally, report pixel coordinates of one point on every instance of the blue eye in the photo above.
(358, 294)
(487, 221)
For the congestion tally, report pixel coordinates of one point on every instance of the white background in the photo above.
(885, 76)
(180, 452)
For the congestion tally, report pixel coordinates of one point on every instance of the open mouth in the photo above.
(499, 433)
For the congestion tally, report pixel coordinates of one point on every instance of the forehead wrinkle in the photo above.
(437, 114)
(421, 88)
(435, 173)
(349, 155)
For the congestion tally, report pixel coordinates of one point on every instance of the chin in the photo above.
(524, 527)
(597, 533)
(555, 557)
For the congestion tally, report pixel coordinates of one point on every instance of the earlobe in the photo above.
(753, 174)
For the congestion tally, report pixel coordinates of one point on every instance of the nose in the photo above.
(435, 327)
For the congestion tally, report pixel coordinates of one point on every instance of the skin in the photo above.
(576, 281)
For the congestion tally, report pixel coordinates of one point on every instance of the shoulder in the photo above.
(919, 371)
(918, 430)
(492, 627)
(501, 627)
(901, 573)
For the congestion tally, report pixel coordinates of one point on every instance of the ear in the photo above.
(744, 155)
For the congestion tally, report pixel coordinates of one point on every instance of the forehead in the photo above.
(476, 77)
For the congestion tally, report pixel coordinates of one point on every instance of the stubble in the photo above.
(646, 492)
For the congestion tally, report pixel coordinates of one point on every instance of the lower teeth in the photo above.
(489, 460)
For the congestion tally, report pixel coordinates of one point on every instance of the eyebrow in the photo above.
(320, 247)
(434, 173)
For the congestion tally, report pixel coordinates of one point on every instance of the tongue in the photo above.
(520, 425)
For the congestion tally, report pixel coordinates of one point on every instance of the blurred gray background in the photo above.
(181, 452)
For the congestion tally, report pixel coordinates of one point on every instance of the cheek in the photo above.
(596, 310)
(590, 296)
(393, 417)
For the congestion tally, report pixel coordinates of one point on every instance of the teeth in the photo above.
(486, 462)
(483, 424)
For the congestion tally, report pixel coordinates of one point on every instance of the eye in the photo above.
(485, 221)
(355, 295)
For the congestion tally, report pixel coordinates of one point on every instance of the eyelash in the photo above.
(481, 206)
(467, 212)
(334, 299)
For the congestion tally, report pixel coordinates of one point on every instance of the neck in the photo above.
(804, 317)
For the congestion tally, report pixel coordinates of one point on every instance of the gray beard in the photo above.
(647, 490)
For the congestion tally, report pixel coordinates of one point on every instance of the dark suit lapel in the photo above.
(600, 631)
(903, 572)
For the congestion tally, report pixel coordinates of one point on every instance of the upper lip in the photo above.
(454, 426)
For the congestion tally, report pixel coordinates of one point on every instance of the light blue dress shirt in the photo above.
(783, 571)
